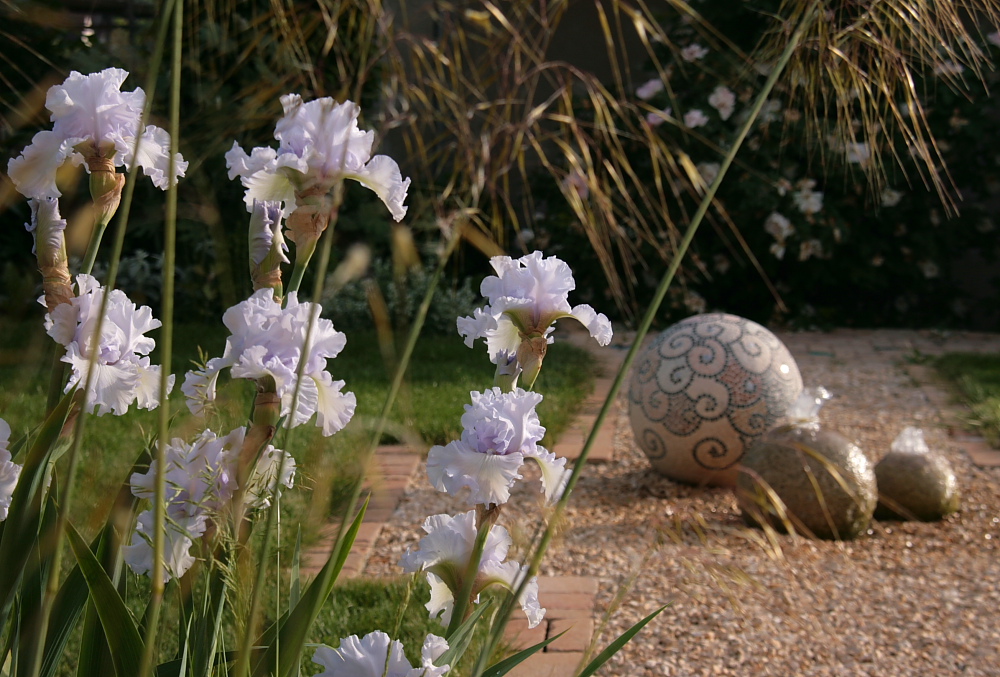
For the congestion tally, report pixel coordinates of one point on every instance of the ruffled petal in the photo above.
(596, 323)
(93, 106)
(9, 471)
(112, 386)
(34, 170)
(154, 157)
(488, 477)
(147, 392)
(477, 326)
(268, 186)
(241, 164)
(382, 175)
(199, 385)
(506, 338)
(442, 600)
(509, 575)
(334, 408)
(554, 473)
(179, 536)
(432, 649)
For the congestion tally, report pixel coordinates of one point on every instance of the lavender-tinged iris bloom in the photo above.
(267, 340)
(526, 297)
(501, 430)
(200, 482)
(9, 471)
(179, 533)
(92, 117)
(319, 145)
(374, 655)
(444, 555)
(123, 374)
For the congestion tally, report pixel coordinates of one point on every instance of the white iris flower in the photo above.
(200, 482)
(9, 471)
(123, 374)
(319, 145)
(268, 340)
(374, 655)
(92, 117)
(444, 555)
(526, 297)
(501, 430)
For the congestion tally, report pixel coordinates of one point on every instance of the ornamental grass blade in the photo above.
(95, 656)
(511, 662)
(462, 637)
(291, 636)
(24, 513)
(295, 589)
(32, 590)
(119, 627)
(208, 627)
(616, 645)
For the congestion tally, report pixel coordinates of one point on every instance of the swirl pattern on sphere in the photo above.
(705, 389)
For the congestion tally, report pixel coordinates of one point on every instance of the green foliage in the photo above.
(977, 378)
(351, 307)
(831, 216)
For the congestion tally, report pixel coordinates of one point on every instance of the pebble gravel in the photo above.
(904, 599)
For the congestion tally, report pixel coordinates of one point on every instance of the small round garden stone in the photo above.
(915, 482)
(705, 389)
(825, 484)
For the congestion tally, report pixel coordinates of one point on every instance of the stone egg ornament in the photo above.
(704, 390)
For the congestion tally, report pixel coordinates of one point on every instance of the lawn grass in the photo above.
(977, 377)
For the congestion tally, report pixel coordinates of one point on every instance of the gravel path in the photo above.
(907, 599)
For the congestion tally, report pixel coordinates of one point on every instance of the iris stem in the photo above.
(463, 597)
(93, 247)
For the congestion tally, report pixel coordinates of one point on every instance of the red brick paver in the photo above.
(387, 479)
(569, 606)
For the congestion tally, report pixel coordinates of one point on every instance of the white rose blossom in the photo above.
(374, 655)
(695, 118)
(807, 200)
(526, 297)
(694, 52)
(649, 89)
(778, 226)
(92, 117)
(708, 171)
(268, 340)
(9, 471)
(123, 374)
(319, 145)
(501, 431)
(444, 555)
(655, 119)
(857, 153)
(723, 100)
(891, 197)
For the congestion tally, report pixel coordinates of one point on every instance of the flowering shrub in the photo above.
(845, 228)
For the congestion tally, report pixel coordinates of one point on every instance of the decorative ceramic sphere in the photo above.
(815, 480)
(704, 390)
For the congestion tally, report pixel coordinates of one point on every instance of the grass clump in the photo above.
(977, 378)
